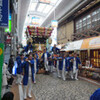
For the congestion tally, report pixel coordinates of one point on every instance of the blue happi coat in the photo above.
(95, 95)
(77, 62)
(48, 55)
(37, 65)
(26, 71)
(70, 64)
(56, 50)
(66, 64)
(51, 62)
(27, 48)
(60, 62)
(37, 56)
(20, 66)
(17, 58)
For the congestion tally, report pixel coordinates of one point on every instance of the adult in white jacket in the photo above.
(5, 75)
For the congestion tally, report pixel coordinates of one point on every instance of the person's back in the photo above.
(95, 95)
(8, 96)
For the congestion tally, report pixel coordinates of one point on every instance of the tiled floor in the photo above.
(49, 87)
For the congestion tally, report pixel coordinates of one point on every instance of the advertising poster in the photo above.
(4, 9)
(1, 64)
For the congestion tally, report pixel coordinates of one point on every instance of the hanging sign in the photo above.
(8, 40)
(4, 13)
(45, 1)
(35, 20)
(54, 23)
(1, 64)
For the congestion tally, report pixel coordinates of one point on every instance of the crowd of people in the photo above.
(28, 65)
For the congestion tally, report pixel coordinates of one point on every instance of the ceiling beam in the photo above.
(95, 31)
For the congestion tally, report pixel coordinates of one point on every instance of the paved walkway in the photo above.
(49, 87)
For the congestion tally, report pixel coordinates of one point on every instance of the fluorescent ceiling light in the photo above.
(47, 9)
(32, 6)
(41, 7)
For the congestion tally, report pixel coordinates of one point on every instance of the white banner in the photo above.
(73, 45)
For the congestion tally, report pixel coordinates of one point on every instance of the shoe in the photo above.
(59, 76)
(64, 79)
(20, 83)
(25, 98)
(76, 79)
(16, 82)
(72, 78)
(29, 96)
(34, 82)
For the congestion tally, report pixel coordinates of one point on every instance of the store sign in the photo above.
(1, 64)
(95, 42)
(91, 43)
(54, 23)
(8, 40)
(4, 13)
(9, 28)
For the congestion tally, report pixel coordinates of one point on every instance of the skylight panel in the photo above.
(32, 7)
(41, 7)
(47, 9)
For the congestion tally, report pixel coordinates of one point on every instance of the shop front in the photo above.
(91, 68)
(89, 52)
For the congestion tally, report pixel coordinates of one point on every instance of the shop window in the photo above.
(92, 19)
(84, 57)
(95, 58)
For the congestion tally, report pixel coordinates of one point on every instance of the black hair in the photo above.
(29, 43)
(27, 55)
(11, 55)
(21, 54)
(30, 53)
(8, 96)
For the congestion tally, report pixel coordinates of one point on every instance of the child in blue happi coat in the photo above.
(74, 61)
(59, 65)
(36, 64)
(45, 58)
(64, 67)
(28, 78)
(20, 63)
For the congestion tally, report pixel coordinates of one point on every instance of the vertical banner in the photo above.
(1, 64)
(4, 9)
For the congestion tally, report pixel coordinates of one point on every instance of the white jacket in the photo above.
(5, 75)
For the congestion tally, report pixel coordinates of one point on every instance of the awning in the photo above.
(60, 46)
(90, 43)
(73, 45)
